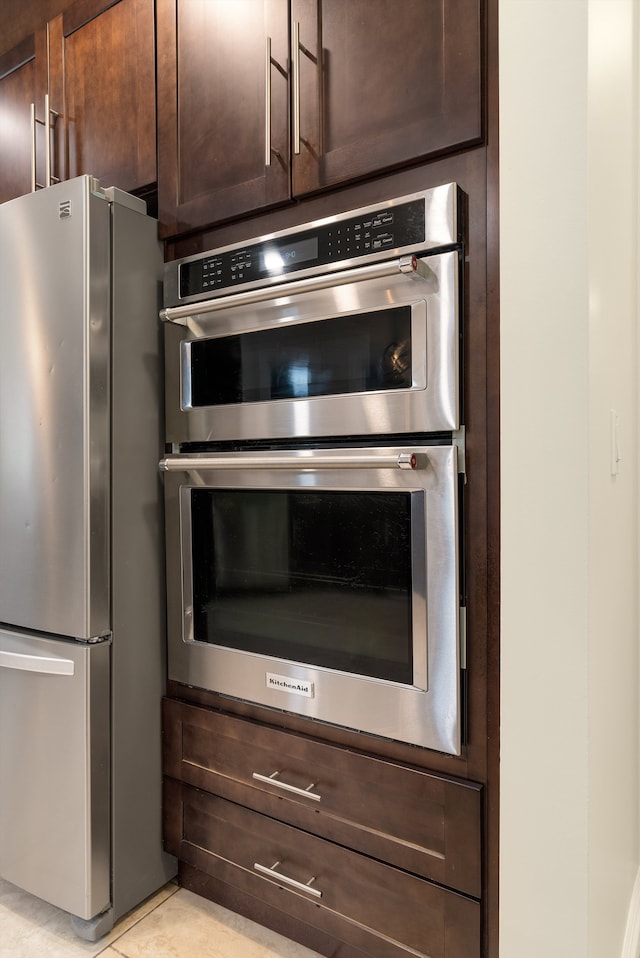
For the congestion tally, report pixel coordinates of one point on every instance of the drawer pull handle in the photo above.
(285, 880)
(274, 780)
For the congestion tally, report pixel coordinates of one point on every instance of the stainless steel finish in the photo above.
(80, 525)
(46, 123)
(36, 663)
(267, 104)
(54, 772)
(296, 86)
(54, 421)
(138, 670)
(432, 402)
(459, 441)
(47, 141)
(426, 713)
(300, 460)
(183, 314)
(33, 121)
(274, 780)
(463, 637)
(50, 179)
(285, 880)
(441, 220)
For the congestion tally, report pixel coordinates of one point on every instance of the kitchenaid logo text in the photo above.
(283, 683)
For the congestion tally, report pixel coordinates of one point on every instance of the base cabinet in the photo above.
(377, 858)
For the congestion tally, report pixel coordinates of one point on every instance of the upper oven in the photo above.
(345, 327)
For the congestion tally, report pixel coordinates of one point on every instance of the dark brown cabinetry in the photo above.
(23, 73)
(102, 72)
(96, 63)
(378, 855)
(216, 63)
(283, 99)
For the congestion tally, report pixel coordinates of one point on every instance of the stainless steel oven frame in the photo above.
(427, 712)
(425, 276)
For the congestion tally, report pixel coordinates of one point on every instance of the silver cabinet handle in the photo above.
(34, 183)
(237, 460)
(267, 105)
(296, 86)
(47, 141)
(49, 178)
(36, 663)
(405, 264)
(48, 113)
(285, 880)
(274, 780)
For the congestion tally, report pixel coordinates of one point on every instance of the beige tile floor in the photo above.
(174, 923)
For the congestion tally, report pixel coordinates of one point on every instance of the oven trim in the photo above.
(434, 407)
(428, 717)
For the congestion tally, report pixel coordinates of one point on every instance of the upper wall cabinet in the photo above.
(102, 71)
(23, 73)
(223, 94)
(96, 64)
(265, 100)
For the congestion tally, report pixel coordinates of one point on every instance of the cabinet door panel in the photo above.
(22, 82)
(380, 909)
(382, 84)
(424, 823)
(213, 87)
(103, 73)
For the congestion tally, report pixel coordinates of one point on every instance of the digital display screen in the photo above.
(277, 258)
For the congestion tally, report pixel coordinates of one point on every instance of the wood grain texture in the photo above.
(383, 85)
(212, 121)
(426, 824)
(385, 912)
(23, 73)
(103, 73)
(371, 97)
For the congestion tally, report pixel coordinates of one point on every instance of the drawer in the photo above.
(425, 823)
(385, 912)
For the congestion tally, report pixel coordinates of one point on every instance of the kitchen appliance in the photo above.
(81, 592)
(312, 482)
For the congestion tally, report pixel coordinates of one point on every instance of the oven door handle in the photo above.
(186, 463)
(405, 264)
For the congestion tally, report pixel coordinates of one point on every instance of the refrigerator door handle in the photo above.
(36, 663)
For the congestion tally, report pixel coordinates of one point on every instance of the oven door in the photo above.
(323, 583)
(375, 353)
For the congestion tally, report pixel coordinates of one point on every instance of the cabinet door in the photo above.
(223, 87)
(423, 823)
(381, 84)
(102, 81)
(383, 911)
(23, 77)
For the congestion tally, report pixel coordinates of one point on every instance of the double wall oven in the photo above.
(313, 470)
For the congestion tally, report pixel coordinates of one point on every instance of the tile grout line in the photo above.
(111, 944)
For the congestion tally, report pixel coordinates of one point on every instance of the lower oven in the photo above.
(322, 582)
(313, 428)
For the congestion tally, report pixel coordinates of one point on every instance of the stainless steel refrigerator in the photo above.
(81, 579)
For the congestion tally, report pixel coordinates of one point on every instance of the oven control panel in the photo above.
(413, 224)
(348, 238)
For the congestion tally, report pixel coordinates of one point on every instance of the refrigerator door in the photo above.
(54, 770)
(54, 410)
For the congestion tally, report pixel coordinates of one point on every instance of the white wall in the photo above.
(569, 753)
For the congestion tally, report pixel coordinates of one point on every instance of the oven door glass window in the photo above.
(317, 577)
(347, 354)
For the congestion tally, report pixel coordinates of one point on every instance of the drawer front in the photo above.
(424, 823)
(380, 909)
